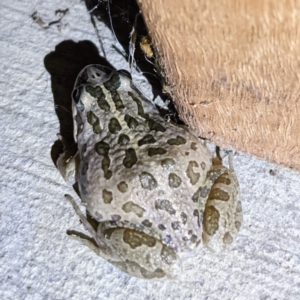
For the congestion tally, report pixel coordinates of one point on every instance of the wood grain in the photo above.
(233, 67)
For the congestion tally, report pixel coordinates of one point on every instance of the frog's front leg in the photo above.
(68, 161)
(86, 224)
(222, 217)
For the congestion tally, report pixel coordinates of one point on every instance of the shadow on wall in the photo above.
(64, 64)
(69, 58)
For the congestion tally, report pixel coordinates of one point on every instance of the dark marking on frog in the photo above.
(168, 255)
(102, 148)
(156, 151)
(147, 181)
(136, 239)
(102, 103)
(193, 176)
(123, 139)
(105, 167)
(139, 106)
(201, 192)
(203, 165)
(178, 141)
(114, 126)
(183, 217)
(166, 205)
(113, 83)
(204, 192)
(115, 218)
(131, 122)
(224, 178)
(94, 121)
(147, 223)
(92, 118)
(153, 125)
(107, 196)
(97, 92)
(194, 238)
(117, 101)
(219, 194)
(130, 158)
(196, 195)
(174, 180)
(167, 163)
(196, 214)
(227, 238)
(211, 220)
(212, 175)
(147, 139)
(194, 146)
(161, 227)
(122, 187)
(175, 225)
(94, 91)
(132, 207)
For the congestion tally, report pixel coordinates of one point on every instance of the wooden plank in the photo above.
(233, 67)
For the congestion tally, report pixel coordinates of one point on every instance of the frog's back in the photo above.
(137, 170)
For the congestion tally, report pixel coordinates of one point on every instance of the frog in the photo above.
(152, 186)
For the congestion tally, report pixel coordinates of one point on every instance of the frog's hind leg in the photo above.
(134, 252)
(85, 239)
(222, 217)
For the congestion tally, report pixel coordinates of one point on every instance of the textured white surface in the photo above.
(38, 259)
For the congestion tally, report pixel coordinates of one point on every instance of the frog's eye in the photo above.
(76, 94)
(76, 98)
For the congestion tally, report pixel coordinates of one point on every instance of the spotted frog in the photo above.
(153, 187)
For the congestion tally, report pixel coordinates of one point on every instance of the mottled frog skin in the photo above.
(152, 186)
